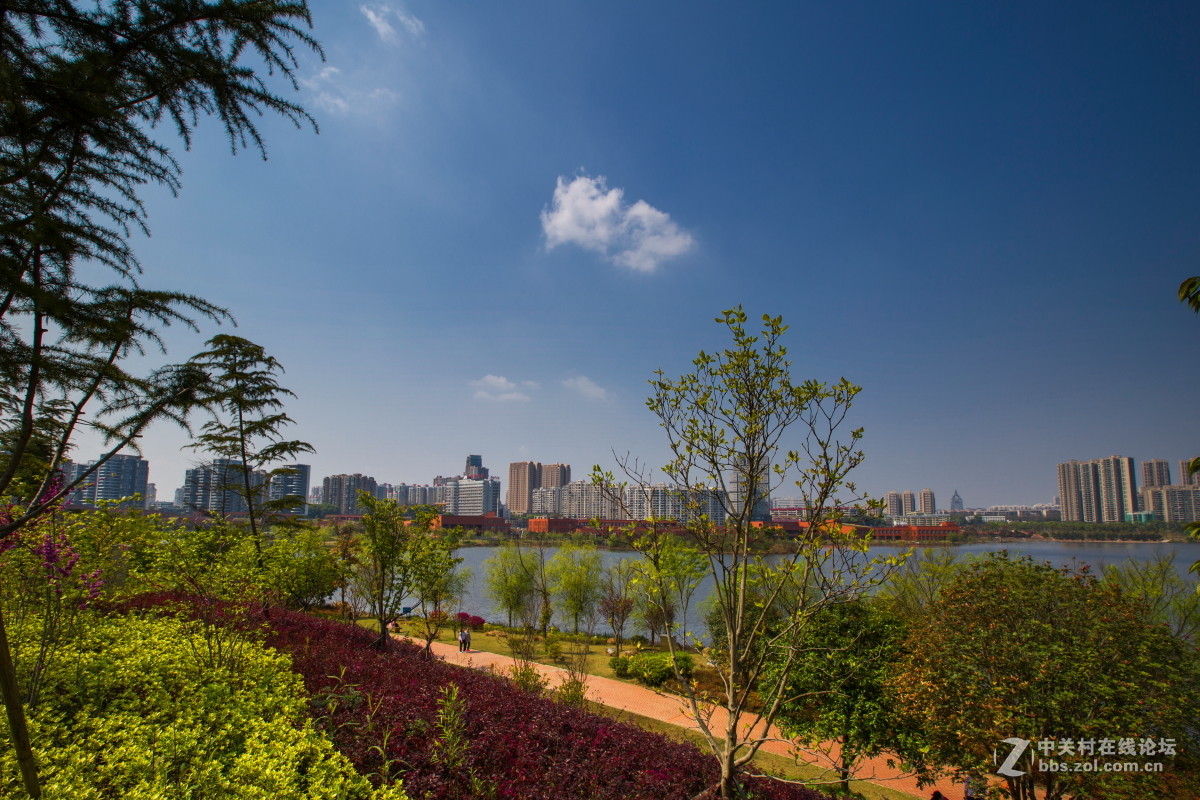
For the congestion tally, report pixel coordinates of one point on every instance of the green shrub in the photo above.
(572, 691)
(620, 666)
(128, 712)
(553, 648)
(654, 669)
(528, 679)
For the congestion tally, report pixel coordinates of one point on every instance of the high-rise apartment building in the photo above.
(908, 503)
(469, 496)
(342, 491)
(523, 478)
(956, 502)
(121, 476)
(1184, 478)
(1155, 472)
(1173, 503)
(665, 502)
(926, 504)
(293, 483)
(1100, 490)
(894, 505)
(584, 500)
(218, 487)
(555, 475)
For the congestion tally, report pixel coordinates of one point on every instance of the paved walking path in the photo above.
(669, 708)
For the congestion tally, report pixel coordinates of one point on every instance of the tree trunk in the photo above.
(844, 769)
(16, 717)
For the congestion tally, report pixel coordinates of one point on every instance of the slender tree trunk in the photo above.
(844, 768)
(16, 717)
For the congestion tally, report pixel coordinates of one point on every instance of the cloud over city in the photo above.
(499, 389)
(586, 213)
(382, 17)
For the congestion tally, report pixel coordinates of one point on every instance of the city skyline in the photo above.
(1153, 472)
(978, 213)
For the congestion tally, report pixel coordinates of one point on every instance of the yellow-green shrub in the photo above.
(128, 711)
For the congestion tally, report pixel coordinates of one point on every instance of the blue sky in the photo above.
(514, 213)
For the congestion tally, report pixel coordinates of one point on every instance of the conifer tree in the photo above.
(82, 89)
(245, 404)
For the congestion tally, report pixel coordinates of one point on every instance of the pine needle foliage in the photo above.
(84, 87)
(245, 404)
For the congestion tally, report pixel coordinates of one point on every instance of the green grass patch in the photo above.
(765, 763)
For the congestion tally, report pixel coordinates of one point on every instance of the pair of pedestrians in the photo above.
(464, 640)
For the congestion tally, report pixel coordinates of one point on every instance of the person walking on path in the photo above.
(462, 640)
(466, 640)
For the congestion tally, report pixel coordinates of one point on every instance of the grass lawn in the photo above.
(495, 642)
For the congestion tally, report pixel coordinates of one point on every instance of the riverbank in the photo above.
(787, 548)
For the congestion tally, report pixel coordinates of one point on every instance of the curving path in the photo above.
(671, 709)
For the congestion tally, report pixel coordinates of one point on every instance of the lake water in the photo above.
(1096, 554)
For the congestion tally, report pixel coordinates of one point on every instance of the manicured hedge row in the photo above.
(381, 711)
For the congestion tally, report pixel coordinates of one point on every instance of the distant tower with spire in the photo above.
(956, 503)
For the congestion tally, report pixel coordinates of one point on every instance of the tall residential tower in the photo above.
(523, 478)
(1100, 490)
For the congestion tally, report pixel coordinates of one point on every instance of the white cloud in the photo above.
(331, 92)
(381, 18)
(586, 387)
(585, 212)
(499, 389)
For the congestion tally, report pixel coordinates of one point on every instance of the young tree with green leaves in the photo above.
(1016, 649)
(302, 570)
(438, 584)
(1170, 599)
(509, 583)
(534, 562)
(574, 573)
(617, 597)
(915, 586)
(737, 427)
(835, 705)
(392, 547)
(666, 579)
(82, 88)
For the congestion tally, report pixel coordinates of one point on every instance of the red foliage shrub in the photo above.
(470, 621)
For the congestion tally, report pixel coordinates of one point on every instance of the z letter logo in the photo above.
(1019, 746)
